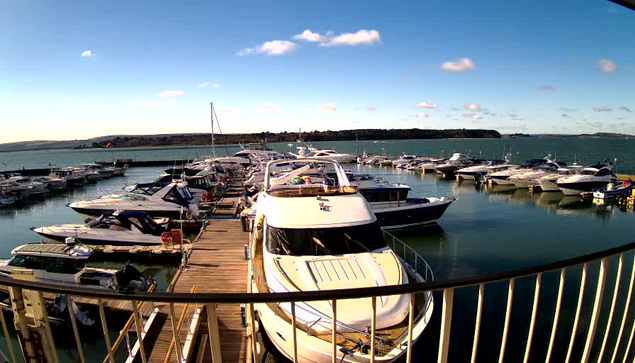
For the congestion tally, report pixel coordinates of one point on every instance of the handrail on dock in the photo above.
(595, 338)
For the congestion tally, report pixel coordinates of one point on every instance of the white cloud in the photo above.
(472, 116)
(462, 65)
(361, 37)
(607, 66)
(267, 107)
(216, 85)
(225, 110)
(170, 94)
(548, 87)
(203, 85)
(603, 109)
(309, 36)
(426, 105)
(87, 54)
(472, 107)
(272, 48)
(327, 107)
(68, 100)
(422, 115)
(371, 108)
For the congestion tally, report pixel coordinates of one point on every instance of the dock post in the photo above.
(214, 336)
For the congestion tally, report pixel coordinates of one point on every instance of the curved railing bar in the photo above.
(228, 298)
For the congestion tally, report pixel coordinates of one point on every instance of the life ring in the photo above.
(166, 238)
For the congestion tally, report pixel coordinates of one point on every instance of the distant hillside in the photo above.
(205, 139)
(598, 135)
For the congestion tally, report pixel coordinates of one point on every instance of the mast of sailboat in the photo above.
(211, 104)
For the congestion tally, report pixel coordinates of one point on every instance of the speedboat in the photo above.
(456, 162)
(22, 186)
(333, 155)
(527, 179)
(480, 171)
(333, 243)
(393, 208)
(67, 264)
(403, 160)
(104, 171)
(172, 200)
(52, 183)
(590, 178)
(429, 165)
(547, 182)
(120, 228)
(501, 177)
(72, 176)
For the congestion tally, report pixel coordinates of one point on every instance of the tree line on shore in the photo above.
(272, 137)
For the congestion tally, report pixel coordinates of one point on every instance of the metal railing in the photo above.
(604, 341)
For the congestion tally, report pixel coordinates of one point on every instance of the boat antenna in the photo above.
(211, 104)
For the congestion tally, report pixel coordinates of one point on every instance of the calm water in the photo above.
(586, 151)
(484, 231)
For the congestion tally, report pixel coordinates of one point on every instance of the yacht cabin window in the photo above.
(324, 241)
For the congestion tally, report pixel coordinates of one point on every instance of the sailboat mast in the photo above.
(212, 117)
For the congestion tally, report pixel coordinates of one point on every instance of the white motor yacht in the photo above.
(454, 163)
(482, 170)
(171, 200)
(403, 160)
(502, 177)
(119, 228)
(66, 264)
(527, 179)
(315, 234)
(72, 176)
(333, 155)
(590, 178)
(547, 182)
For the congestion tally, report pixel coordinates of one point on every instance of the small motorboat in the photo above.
(67, 264)
(612, 191)
(119, 228)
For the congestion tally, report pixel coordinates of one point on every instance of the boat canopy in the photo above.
(54, 250)
(127, 219)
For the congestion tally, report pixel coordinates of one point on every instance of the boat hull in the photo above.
(412, 213)
(580, 188)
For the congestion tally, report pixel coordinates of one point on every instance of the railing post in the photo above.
(176, 333)
(508, 311)
(534, 312)
(609, 322)
(104, 328)
(446, 325)
(599, 294)
(626, 308)
(477, 324)
(252, 321)
(214, 336)
(71, 313)
(334, 332)
(577, 312)
(556, 314)
(411, 312)
(137, 325)
(293, 329)
(372, 329)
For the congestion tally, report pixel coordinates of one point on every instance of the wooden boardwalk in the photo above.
(217, 264)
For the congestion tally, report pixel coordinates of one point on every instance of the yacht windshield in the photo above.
(324, 241)
(587, 172)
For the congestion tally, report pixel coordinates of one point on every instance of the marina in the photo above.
(214, 259)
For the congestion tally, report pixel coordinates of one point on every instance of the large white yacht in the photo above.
(527, 179)
(171, 200)
(313, 234)
(547, 182)
(590, 178)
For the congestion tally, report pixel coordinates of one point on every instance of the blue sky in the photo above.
(80, 69)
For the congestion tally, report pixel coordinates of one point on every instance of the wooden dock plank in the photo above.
(217, 264)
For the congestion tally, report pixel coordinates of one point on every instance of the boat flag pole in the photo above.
(212, 117)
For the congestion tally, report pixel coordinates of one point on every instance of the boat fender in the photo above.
(166, 239)
(176, 236)
(259, 224)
